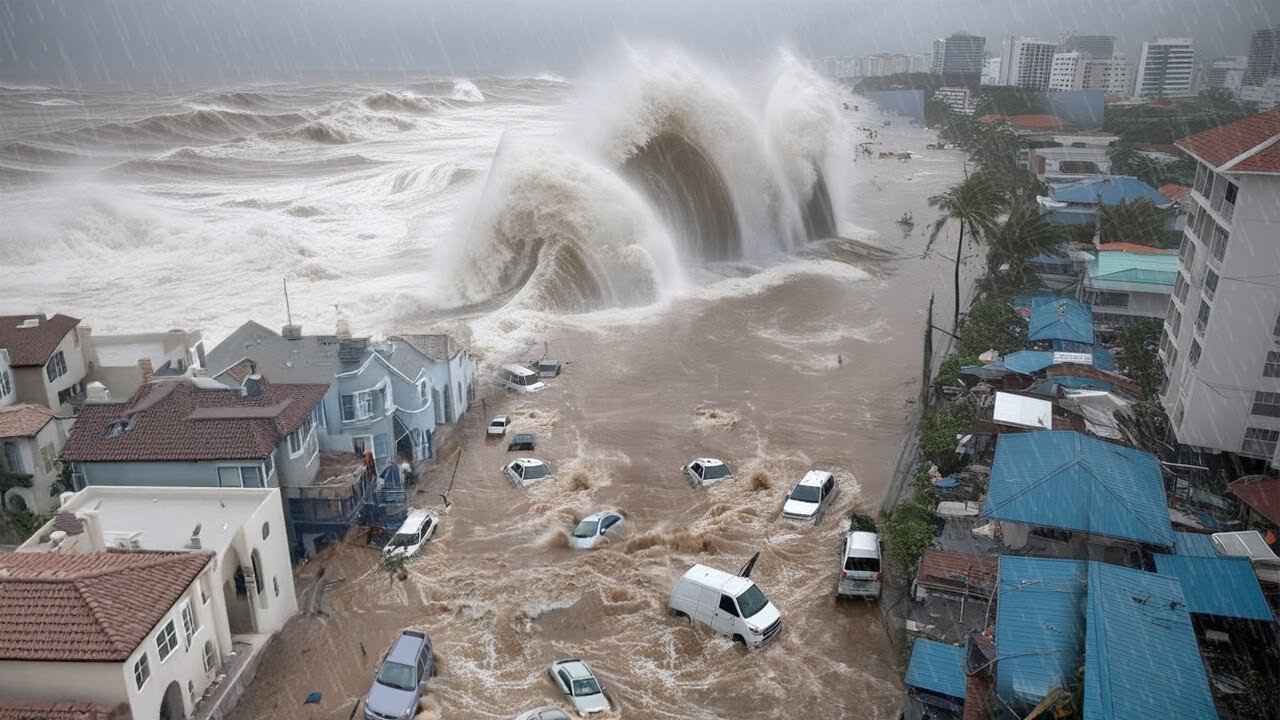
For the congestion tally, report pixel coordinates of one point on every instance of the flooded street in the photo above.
(747, 372)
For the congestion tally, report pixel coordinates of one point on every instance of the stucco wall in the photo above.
(63, 682)
(185, 664)
(159, 474)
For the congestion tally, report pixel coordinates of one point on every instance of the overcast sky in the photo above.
(96, 42)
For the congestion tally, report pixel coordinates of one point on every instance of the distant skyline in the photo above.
(100, 42)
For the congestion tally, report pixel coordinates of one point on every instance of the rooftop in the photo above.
(308, 359)
(1193, 544)
(1039, 626)
(1260, 493)
(33, 345)
(1174, 191)
(1146, 268)
(1062, 479)
(1060, 318)
(1134, 247)
(1111, 190)
(25, 420)
(88, 607)
(1248, 145)
(960, 573)
(937, 668)
(1223, 586)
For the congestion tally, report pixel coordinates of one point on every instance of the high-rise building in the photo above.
(1264, 57)
(1113, 75)
(939, 53)
(1165, 69)
(991, 71)
(959, 54)
(1089, 46)
(1067, 72)
(1026, 62)
(1221, 340)
(1226, 73)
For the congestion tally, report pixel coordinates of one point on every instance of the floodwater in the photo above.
(750, 376)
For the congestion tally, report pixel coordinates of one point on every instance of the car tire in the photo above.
(677, 613)
(739, 639)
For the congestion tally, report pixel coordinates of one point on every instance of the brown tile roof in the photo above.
(1174, 191)
(1260, 493)
(33, 346)
(1251, 142)
(23, 420)
(973, 575)
(173, 420)
(239, 371)
(62, 711)
(1038, 121)
(95, 607)
(1135, 248)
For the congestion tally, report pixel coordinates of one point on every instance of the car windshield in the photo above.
(397, 675)
(751, 602)
(585, 686)
(715, 472)
(497, 424)
(862, 564)
(805, 493)
(403, 540)
(585, 529)
(533, 472)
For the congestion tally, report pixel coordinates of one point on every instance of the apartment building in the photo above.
(1165, 69)
(1026, 62)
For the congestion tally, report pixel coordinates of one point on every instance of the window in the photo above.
(1111, 299)
(1187, 251)
(189, 626)
(1272, 367)
(424, 390)
(240, 476)
(6, 385)
(317, 416)
(1193, 355)
(1202, 224)
(266, 530)
(1266, 404)
(12, 460)
(1202, 317)
(726, 604)
(1260, 441)
(67, 394)
(167, 640)
(1202, 179)
(56, 367)
(270, 465)
(209, 659)
(142, 671)
(1180, 287)
(298, 438)
(1218, 244)
(1176, 324)
(1275, 332)
(48, 456)
(1210, 283)
(357, 406)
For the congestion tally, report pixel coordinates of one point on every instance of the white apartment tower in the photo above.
(1166, 68)
(1026, 62)
(1067, 72)
(1221, 340)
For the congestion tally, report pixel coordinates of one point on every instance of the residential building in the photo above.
(991, 70)
(956, 98)
(1124, 287)
(937, 57)
(1026, 62)
(1165, 69)
(1089, 46)
(1113, 75)
(836, 67)
(960, 54)
(938, 670)
(1263, 63)
(1069, 164)
(122, 363)
(45, 359)
(1221, 342)
(1265, 96)
(8, 391)
(30, 440)
(1226, 73)
(1078, 204)
(1067, 71)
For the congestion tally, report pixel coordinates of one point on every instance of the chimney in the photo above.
(96, 392)
(144, 364)
(291, 332)
(93, 530)
(194, 543)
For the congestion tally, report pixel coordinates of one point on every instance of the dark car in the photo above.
(523, 441)
(402, 680)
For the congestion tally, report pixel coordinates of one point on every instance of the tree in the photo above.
(1137, 358)
(1138, 222)
(976, 207)
(1026, 232)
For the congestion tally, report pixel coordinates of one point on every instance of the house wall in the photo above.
(46, 393)
(48, 682)
(1141, 304)
(10, 397)
(38, 497)
(185, 664)
(163, 474)
(298, 470)
(378, 426)
(279, 600)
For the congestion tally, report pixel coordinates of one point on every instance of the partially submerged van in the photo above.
(860, 566)
(730, 604)
(520, 378)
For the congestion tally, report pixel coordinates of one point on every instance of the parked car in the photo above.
(498, 425)
(731, 605)
(548, 368)
(592, 528)
(414, 532)
(401, 682)
(810, 496)
(576, 680)
(860, 566)
(523, 441)
(707, 471)
(523, 472)
(544, 713)
(521, 379)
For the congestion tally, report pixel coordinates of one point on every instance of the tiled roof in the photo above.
(239, 371)
(174, 420)
(957, 572)
(1246, 145)
(1039, 627)
(1062, 479)
(33, 346)
(1260, 493)
(23, 420)
(1174, 191)
(1141, 658)
(1060, 318)
(61, 711)
(1136, 248)
(936, 667)
(88, 607)
(1223, 586)
(1038, 121)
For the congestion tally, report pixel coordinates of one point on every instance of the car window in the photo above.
(533, 472)
(828, 486)
(861, 564)
(715, 472)
(585, 686)
(752, 601)
(585, 529)
(806, 493)
(726, 604)
(518, 470)
(403, 540)
(397, 675)
(696, 467)
(610, 521)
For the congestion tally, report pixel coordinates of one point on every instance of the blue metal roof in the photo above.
(1141, 659)
(1049, 386)
(1110, 191)
(936, 667)
(1194, 544)
(1104, 359)
(1028, 362)
(1062, 479)
(1060, 318)
(1224, 586)
(1039, 627)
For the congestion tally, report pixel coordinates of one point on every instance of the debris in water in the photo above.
(312, 699)
(760, 481)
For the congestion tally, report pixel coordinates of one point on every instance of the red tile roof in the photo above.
(62, 711)
(1250, 142)
(33, 346)
(173, 421)
(957, 572)
(95, 607)
(23, 420)
(1260, 493)
(1174, 191)
(1038, 121)
(1135, 248)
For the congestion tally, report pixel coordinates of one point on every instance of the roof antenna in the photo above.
(287, 310)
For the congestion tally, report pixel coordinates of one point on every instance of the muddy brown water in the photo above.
(751, 378)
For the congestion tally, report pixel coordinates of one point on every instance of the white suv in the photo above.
(810, 496)
(860, 566)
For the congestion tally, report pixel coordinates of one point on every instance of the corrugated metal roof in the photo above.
(1224, 586)
(1062, 479)
(1039, 627)
(1060, 318)
(1111, 190)
(1148, 268)
(1193, 544)
(936, 667)
(1141, 658)
(1028, 362)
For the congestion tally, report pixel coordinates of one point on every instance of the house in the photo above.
(30, 474)
(936, 676)
(1261, 494)
(1069, 164)
(453, 370)
(1078, 203)
(122, 363)
(1039, 628)
(45, 359)
(1060, 320)
(1123, 287)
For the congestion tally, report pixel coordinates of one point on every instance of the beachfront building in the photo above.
(1026, 62)
(1225, 73)
(1079, 203)
(991, 70)
(959, 54)
(1221, 341)
(122, 363)
(46, 365)
(1068, 164)
(30, 474)
(1089, 46)
(956, 98)
(1166, 69)
(1125, 287)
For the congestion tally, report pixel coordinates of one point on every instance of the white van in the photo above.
(520, 378)
(860, 566)
(730, 604)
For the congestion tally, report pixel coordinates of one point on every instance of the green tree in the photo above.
(975, 206)
(1137, 357)
(1025, 233)
(938, 431)
(908, 532)
(1138, 222)
(992, 324)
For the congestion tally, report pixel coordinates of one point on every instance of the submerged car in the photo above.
(498, 426)
(523, 441)
(523, 472)
(592, 528)
(401, 682)
(544, 713)
(576, 680)
(548, 368)
(810, 496)
(414, 532)
(707, 471)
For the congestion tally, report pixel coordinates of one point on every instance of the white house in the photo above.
(45, 359)
(30, 440)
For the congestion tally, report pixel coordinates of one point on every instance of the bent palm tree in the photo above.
(1025, 233)
(976, 206)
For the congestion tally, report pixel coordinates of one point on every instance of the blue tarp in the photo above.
(1141, 658)
(936, 667)
(1194, 544)
(1039, 627)
(1060, 318)
(1224, 586)
(1062, 479)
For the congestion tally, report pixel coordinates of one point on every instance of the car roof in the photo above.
(708, 461)
(576, 668)
(814, 477)
(711, 577)
(526, 462)
(600, 515)
(517, 369)
(414, 522)
(524, 435)
(406, 648)
(859, 540)
(500, 418)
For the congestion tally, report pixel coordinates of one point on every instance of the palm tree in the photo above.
(1025, 233)
(976, 206)
(1140, 221)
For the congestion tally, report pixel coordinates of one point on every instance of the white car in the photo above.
(498, 426)
(523, 472)
(414, 532)
(544, 713)
(592, 528)
(810, 496)
(707, 471)
(576, 680)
